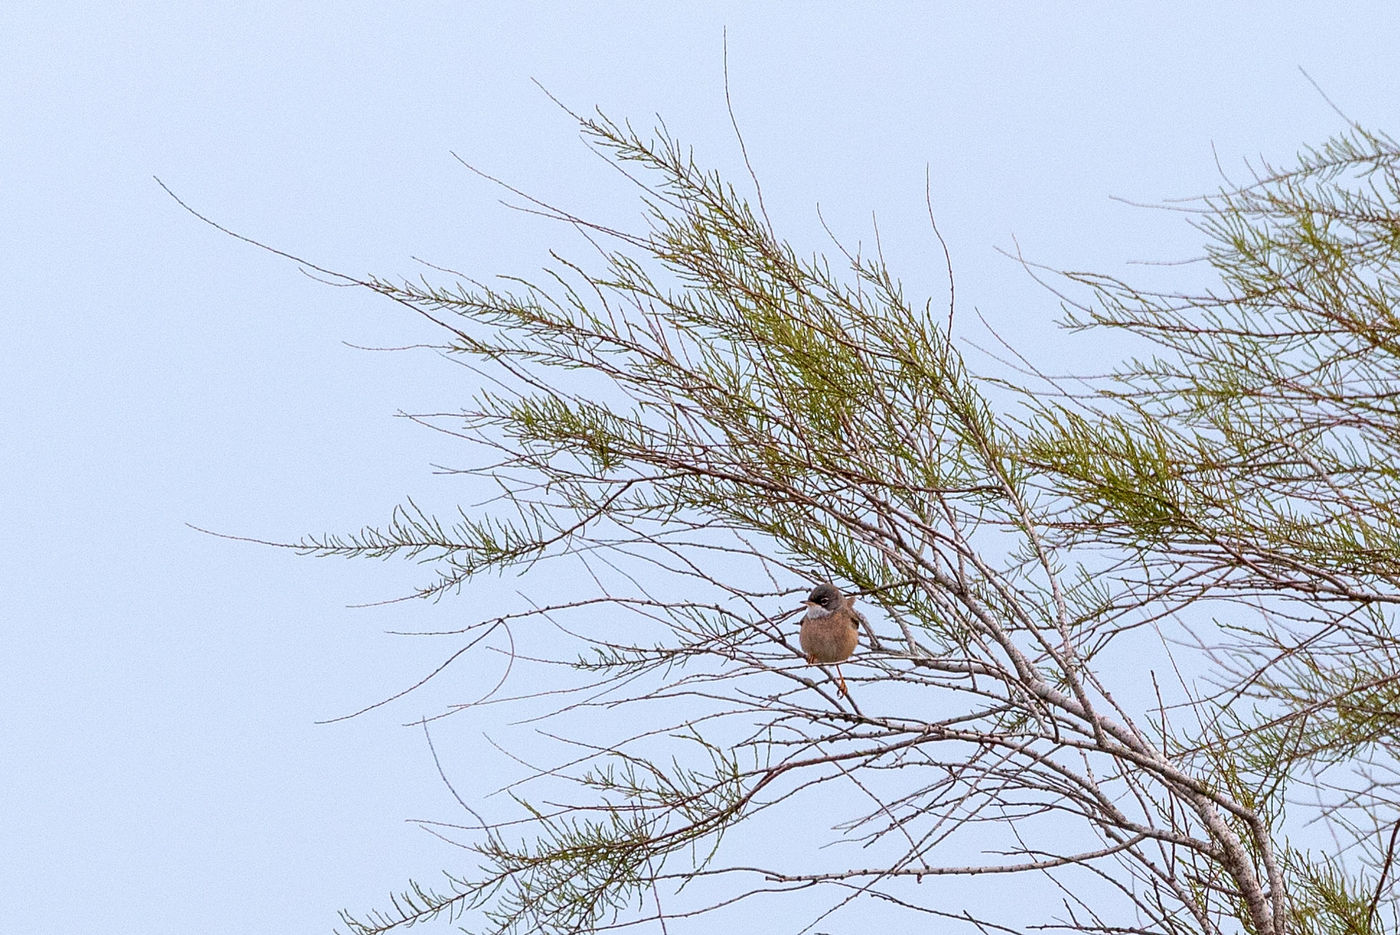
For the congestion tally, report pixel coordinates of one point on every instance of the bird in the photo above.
(831, 628)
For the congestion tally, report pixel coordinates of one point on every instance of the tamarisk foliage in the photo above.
(1132, 640)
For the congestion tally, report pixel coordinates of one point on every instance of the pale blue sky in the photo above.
(161, 769)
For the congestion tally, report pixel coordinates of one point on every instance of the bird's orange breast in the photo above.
(829, 639)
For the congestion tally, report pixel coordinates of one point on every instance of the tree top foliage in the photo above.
(1133, 633)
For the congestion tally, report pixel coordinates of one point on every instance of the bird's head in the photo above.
(824, 599)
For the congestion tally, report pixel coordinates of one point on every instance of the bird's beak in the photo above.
(807, 604)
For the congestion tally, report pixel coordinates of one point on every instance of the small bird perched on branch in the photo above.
(831, 628)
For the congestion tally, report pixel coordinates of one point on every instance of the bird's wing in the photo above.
(864, 624)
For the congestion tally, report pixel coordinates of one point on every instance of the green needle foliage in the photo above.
(1135, 636)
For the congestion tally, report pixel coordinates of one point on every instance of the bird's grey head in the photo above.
(823, 600)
